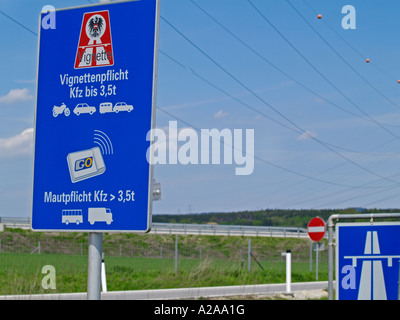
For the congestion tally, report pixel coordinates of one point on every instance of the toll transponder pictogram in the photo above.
(95, 45)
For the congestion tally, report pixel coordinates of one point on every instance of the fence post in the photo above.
(176, 254)
(103, 274)
(288, 256)
(288, 271)
(249, 256)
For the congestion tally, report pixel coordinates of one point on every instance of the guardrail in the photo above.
(227, 230)
(15, 222)
(195, 229)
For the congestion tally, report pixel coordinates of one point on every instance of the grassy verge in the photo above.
(21, 273)
(137, 262)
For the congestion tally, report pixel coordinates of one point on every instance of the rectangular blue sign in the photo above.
(95, 106)
(367, 261)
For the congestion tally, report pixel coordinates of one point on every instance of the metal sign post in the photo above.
(94, 266)
(316, 231)
(316, 262)
(318, 246)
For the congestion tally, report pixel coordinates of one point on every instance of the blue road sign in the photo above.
(95, 106)
(367, 261)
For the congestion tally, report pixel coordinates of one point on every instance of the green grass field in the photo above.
(21, 273)
(136, 262)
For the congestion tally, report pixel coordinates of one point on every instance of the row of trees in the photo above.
(267, 217)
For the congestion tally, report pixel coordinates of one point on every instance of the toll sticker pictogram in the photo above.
(95, 45)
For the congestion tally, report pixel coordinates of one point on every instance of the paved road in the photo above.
(185, 293)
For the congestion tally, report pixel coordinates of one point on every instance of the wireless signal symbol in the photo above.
(104, 142)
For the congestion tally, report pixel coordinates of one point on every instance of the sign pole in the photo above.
(316, 262)
(94, 266)
(330, 256)
(316, 231)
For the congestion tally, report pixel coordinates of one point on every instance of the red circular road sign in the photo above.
(316, 229)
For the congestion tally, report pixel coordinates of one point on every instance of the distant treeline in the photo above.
(267, 217)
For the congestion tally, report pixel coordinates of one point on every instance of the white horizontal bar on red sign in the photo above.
(316, 229)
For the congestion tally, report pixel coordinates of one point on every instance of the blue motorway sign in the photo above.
(367, 261)
(95, 103)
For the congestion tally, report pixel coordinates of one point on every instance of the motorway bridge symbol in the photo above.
(372, 283)
(376, 267)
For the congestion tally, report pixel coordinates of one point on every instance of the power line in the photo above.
(275, 66)
(320, 73)
(190, 125)
(283, 168)
(351, 46)
(18, 23)
(241, 102)
(166, 112)
(216, 87)
(196, 74)
(246, 105)
(341, 57)
(268, 162)
(271, 107)
(372, 192)
(279, 70)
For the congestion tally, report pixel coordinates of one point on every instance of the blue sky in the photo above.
(334, 136)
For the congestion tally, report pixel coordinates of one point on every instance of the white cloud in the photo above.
(319, 100)
(25, 81)
(20, 144)
(16, 95)
(307, 135)
(220, 114)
